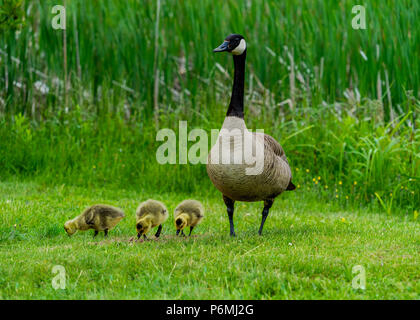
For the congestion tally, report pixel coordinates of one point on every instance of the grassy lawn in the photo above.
(306, 252)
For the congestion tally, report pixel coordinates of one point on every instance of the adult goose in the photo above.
(236, 178)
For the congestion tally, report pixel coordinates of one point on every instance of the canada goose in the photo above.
(234, 180)
(188, 213)
(99, 217)
(150, 214)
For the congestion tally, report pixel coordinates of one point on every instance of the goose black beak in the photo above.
(223, 47)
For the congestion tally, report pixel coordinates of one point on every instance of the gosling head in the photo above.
(142, 227)
(234, 43)
(180, 223)
(70, 228)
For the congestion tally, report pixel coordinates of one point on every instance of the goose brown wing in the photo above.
(270, 142)
(89, 216)
(275, 146)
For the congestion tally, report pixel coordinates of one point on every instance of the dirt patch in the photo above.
(135, 240)
(47, 249)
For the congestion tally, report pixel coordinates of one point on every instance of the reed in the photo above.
(342, 102)
(116, 41)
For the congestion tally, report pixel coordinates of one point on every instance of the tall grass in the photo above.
(347, 161)
(114, 42)
(342, 102)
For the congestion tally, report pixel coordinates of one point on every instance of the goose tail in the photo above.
(291, 186)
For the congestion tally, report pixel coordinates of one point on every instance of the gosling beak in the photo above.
(223, 47)
(177, 232)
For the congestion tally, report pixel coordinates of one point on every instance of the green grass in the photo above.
(351, 122)
(351, 160)
(349, 127)
(307, 251)
(111, 42)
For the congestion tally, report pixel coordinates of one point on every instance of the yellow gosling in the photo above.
(189, 213)
(150, 214)
(99, 217)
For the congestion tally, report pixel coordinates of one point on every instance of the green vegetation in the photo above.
(79, 113)
(307, 252)
(111, 42)
(308, 86)
(11, 13)
(340, 160)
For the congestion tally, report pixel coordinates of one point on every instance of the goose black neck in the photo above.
(236, 106)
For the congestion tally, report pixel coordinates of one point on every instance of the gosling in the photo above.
(188, 213)
(99, 217)
(150, 214)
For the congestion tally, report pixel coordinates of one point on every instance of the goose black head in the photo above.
(234, 43)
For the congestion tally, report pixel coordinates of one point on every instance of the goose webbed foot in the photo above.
(267, 206)
(230, 205)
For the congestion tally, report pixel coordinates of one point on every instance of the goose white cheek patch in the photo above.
(240, 48)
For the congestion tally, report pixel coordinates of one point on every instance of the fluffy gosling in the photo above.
(150, 214)
(99, 217)
(188, 213)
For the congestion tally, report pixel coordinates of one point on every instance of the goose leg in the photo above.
(191, 229)
(106, 233)
(95, 234)
(230, 208)
(158, 231)
(267, 206)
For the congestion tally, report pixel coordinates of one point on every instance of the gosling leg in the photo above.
(95, 233)
(230, 208)
(182, 233)
(177, 232)
(267, 206)
(159, 230)
(106, 233)
(191, 229)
